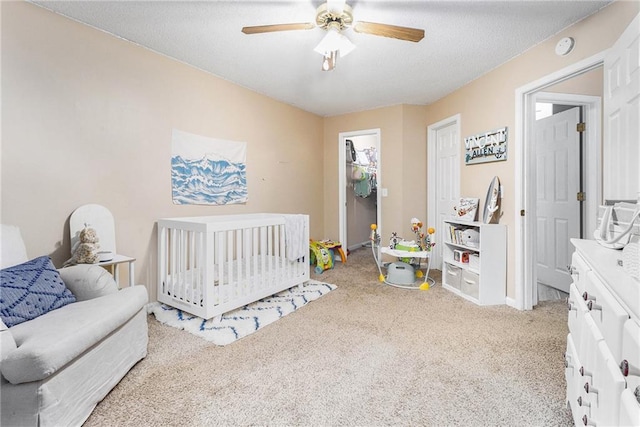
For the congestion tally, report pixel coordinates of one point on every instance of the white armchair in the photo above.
(57, 366)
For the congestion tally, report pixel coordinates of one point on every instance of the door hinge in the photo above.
(581, 127)
(521, 212)
(581, 196)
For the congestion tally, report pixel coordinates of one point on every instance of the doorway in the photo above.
(526, 194)
(360, 202)
(559, 194)
(443, 194)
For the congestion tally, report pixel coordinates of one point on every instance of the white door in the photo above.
(557, 148)
(447, 181)
(621, 150)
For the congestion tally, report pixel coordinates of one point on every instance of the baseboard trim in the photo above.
(512, 303)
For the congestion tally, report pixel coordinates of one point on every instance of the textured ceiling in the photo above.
(463, 40)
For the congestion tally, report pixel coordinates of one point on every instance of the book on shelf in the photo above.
(455, 234)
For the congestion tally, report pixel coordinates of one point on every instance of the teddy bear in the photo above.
(85, 251)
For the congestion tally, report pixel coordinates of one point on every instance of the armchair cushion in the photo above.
(30, 290)
(87, 281)
(49, 342)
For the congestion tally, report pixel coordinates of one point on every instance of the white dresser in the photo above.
(602, 359)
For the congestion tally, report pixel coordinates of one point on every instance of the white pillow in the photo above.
(13, 250)
(88, 281)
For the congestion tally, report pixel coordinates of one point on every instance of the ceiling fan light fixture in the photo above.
(329, 61)
(333, 41)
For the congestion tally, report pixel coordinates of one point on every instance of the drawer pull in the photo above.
(567, 361)
(583, 403)
(590, 389)
(593, 306)
(628, 369)
(588, 422)
(570, 305)
(572, 270)
(584, 372)
(586, 297)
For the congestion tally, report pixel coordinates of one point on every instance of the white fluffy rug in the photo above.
(243, 321)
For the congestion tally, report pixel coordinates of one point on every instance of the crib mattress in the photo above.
(189, 284)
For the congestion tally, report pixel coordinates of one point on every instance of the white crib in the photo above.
(210, 265)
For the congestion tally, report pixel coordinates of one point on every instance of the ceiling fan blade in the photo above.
(393, 31)
(278, 27)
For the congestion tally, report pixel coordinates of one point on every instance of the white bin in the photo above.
(469, 284)
(453, 276)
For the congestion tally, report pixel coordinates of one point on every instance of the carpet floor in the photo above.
(365, 354)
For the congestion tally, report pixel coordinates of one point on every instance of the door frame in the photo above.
(342, 184)
(525, 249)
(432, 132)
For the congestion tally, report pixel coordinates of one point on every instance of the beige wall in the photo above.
(484, 104)
(397, 206)
(87, 118)
(589, 83)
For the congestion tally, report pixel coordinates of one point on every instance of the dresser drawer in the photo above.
(604, 334)
(574, 380)
(587, 348)
(629, 409)
(607, 313)
(579, 269)
(577, 310)
(606, 387)
(630, 359)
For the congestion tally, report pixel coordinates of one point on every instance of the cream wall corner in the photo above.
(489, 102)
(402, 162)
(484, 104)
(87, 118)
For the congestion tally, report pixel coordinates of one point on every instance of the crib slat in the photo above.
(246, 235)
(239, 261)
(282, 256)
(263, 255)
(173, 262)
(256, 243)
(162, 261)
(189, 267)
(210, 291)
(220, 266)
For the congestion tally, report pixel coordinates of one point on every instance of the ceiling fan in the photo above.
(333, 17)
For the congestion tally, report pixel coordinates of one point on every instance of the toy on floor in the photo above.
(403, 274)
(321, 256)
(334, 246)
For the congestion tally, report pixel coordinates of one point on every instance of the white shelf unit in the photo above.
(486, 282)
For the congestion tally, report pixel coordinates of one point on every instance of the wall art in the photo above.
(486, 147)
(207, 171)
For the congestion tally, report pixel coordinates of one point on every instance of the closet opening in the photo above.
(360, 198)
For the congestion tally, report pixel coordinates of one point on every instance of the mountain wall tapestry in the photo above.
(207, 171)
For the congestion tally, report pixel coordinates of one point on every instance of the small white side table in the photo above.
(113, 267)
